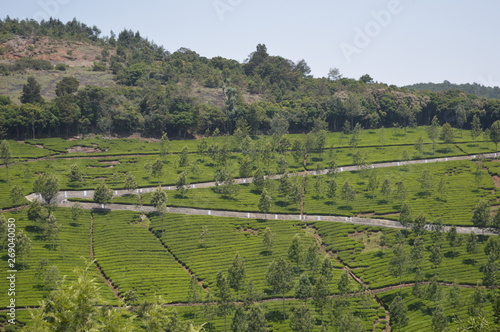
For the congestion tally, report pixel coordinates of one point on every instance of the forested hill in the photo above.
(65, 79)
(474, 88)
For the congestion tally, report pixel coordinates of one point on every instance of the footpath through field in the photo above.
(63, 197)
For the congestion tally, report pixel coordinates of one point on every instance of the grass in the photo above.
(454, 204)
(73, 247)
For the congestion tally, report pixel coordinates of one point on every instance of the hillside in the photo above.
(474, 88)
(124, 84)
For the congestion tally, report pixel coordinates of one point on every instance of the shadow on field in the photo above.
(274, 316)
(469, 261)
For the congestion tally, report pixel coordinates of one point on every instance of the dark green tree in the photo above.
(304, 287)
(103, 194)
(399, 263)
(265, 201)
(268, 239)
(398, 310)
(302, 319)
(5, 155)
(495, 133)
(295, 250)
(31, 92)
(67, 86)
(236, 273)
(279, 277)
(47, 185)
(439, 319)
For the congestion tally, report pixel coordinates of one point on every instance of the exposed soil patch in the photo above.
(248, 230)
(100, 179)
(496, 180)
(110, 162)
(83, 149)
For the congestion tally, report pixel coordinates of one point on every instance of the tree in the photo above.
(476, 129)
(400, 191)
(304, 287)
(327, 269)
(204, 236)
(184, 157)
(490, 271)
(3, 231)
(331, 191)
(5, 155)
(454, 296)
(194, 295)
(165, 146)
(426, 180)
(23, 246)
(453, 237)
(259, 179)
(439, 319)
(405, 217)
(312, 257)
(130, 183)
(398, 265)
(75, 174)
(334, 74)
(495, 133)
(348, 194)
(103, 194)
(320, 293)
(265, 201)
(181, 185)
(386, 188)
(67, 86)
(398, 310)
(471, 243)
(159, 199)
(279, 277)
(481, 215)
(433, 131)
(224, 296)
(417, 252)
(157, 169)
(295, 250)
(419, 224)
(268, 239)
(436, 255)
(16, 194)
(31, 92)
(256, 319)
(236, 273)
(447, 134)
(52, 230)
(343, 284)
(366, 79)
(302, 319)
(239, 323)
(419, 146)
(492, 247)
(47, 185)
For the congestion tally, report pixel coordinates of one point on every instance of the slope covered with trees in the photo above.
(186, 94)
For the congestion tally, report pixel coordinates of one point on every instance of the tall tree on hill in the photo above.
(295, 250)
(268, 239)
(279, 277)
(447, 135)
(236, 273)
(224, 297)
(31, 92)
(476, 128)
(399, 263)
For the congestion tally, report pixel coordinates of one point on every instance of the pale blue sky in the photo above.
(395, 41)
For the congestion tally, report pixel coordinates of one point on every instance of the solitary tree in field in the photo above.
(433, 131)
(103, 194)
(320, 293)
(447, 135)
(471, 245)
(184, 157)
(348, 194)
(130, 183)
(436, 256)
(331, 191)
(481, 215)
(426, 180)
(157, 169)
(265, 201)
(343, 284)
(23, 246)
(5, 155)
(279, 277)
(495, 133)
(399, 263)
(237, 273)
(386, 188)
(239, 323)
(268, 239)
(224, 296)
(327, 269)
(256, 318)
(419, 146)
(295, 250)
(75, 174)
(16, 194)
(47, 185)
(181, 185)
(476, 129)
(165, 145)
(31, 92)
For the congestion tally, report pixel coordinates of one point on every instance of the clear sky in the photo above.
(395, 41)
